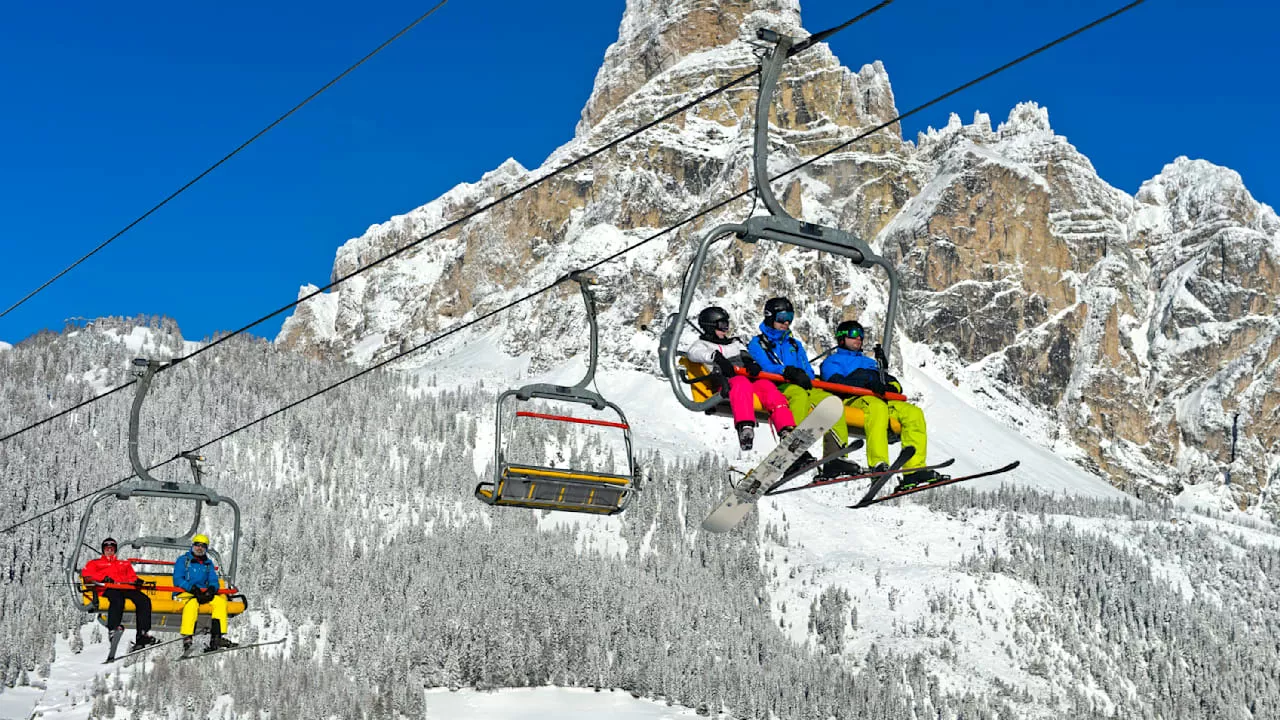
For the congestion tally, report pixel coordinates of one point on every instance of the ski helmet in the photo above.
(778, 309)
(109, 542)
(848, 329)
(713, 318)
(201, 538)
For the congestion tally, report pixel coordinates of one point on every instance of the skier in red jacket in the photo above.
(108, 569)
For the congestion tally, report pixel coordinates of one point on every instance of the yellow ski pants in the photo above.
(876, 414)
(191, 610)
(801, 401)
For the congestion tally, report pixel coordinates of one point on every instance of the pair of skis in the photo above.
(879, 478)
(774, 471)
(111, 657)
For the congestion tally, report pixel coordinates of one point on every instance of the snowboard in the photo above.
(738, 503)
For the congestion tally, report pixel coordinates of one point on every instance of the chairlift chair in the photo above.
(166, 612)
(779, 227)
(565, 489)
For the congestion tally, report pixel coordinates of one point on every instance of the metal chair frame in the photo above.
(778, 226)
(514, 484)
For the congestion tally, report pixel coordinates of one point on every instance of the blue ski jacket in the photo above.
(191, 572)
(775, 350)
(843, 361)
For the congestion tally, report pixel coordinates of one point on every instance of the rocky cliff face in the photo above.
(1135, 326)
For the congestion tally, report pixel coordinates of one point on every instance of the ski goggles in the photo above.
(784, 316)
(200, 544)
(723, 325)
(854, 333)
(109, 546)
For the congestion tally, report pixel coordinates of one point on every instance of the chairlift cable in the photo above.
(484, 208)
(225, 158)
(610, 258)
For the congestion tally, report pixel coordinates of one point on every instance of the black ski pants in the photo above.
(115, 608)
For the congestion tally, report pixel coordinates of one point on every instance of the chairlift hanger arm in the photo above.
(779, 225)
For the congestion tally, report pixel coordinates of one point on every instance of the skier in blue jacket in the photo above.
(778, 351)
(196, 575)
(848, 366)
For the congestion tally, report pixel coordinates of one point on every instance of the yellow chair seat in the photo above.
(853, 416)
(166, 611)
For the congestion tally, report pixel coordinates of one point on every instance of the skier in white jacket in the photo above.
(715, 347)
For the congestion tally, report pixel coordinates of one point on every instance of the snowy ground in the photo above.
(67, 694)
(548, 704)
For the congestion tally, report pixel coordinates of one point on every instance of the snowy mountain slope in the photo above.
(1107, 315)
(1016, 596)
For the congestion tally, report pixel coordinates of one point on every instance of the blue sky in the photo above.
(110, 107)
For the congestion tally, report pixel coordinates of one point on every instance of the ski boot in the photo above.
(806, 458)
(913, 480)
(188, 645)
(746, 434)
(142, 640)
(838, 468)
(216, 640)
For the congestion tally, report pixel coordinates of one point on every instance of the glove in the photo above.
(796, 376)
(753, 367)
(138, 583)
(107, 580)
(723, 365)
(204, 595)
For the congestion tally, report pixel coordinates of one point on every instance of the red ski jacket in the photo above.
(100, 568)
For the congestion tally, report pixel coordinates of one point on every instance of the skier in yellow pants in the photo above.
(195, 574)
(848, 366)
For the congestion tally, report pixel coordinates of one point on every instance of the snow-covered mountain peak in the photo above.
(1026, 118)
(655, 35)
(1195, 192)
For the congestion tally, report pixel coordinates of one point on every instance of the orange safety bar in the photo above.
(567, 418)
(824, 385)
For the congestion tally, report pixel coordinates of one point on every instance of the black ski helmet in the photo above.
(109, 541)
(850, 328)
(713, 318)
(773, 306)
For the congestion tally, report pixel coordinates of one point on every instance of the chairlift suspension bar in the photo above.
(569, 418)
(778, 226)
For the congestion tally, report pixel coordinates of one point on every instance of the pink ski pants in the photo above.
(741, 390)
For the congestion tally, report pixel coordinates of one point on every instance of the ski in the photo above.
(940, 483)
(854, 444)
(739, 501)
(880, 480)
(219, 651)
(859, 476)
(114, 638)
(112, 658)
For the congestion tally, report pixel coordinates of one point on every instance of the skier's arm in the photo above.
(760, 356)
(700, 352)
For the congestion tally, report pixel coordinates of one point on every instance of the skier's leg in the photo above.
(914, 432)
(775, 403)
(875, 424)
(797, 399)
(841, 428)
(219, 604)
(190, 611)
(142, 611)
(115, 607)
(742, 401)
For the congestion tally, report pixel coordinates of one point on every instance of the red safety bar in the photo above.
(836, 388)
(144, 561)
(566, 418)
(157, 588)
